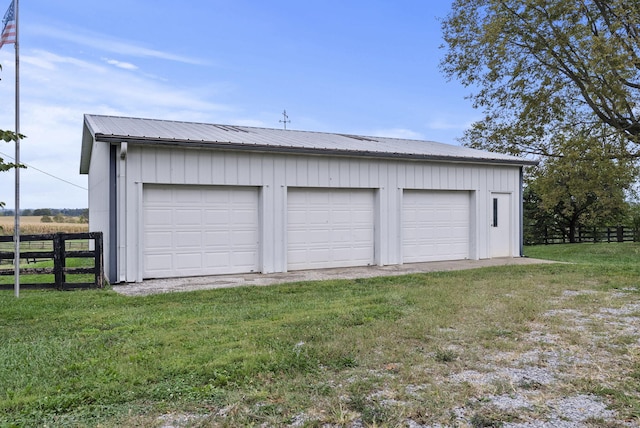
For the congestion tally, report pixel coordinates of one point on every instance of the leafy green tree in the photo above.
(539, 68)
(585, 187)
(559, 80)
(538, 223)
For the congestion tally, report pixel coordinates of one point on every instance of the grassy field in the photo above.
(48, 279)
(375, 352)
(32, 225)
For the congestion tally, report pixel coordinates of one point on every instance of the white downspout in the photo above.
(122, 213)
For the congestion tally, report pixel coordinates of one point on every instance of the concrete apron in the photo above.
(156, 286)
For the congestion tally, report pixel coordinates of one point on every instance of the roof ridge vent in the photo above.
(231, 128)
(359, 138)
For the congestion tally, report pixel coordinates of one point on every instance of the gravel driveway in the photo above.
(539, 382)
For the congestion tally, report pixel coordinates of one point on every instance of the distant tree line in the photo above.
(69, 212)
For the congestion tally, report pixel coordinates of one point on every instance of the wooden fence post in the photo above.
(58, 260)
(99, 259)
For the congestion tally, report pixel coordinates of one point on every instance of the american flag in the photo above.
(9, 26)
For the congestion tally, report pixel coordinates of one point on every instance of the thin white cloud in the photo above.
(101, 85)
(120, 64)
(49, 62)
(107, 43)
(56, 91)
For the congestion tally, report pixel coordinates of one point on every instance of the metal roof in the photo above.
(113, 129)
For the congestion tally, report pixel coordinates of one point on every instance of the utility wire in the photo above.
(44, 172)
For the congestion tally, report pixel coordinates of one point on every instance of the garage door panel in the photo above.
(199, 230)
(296, 236)
(159, 263)
(242, 238)
(211, 214)
(243, 196)
(243, 258)
(359, 255)
(343, 198)
(243, 217)
(296, 256)
(296, 217)
(188, 260)
(159, 196)
(190, 195)
(362, 235)
(312, 237)
(343, 217)
(217, 259)
(460, 247)
(158, 216)
(211, 198)
(314, 217)
(329, 228)
(219, 238)
(344, 253)
(460, 233)
(317, 199)
(188, 217)
(157, 240)
(435, 225)
(188, 239)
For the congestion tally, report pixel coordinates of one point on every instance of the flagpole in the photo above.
(16, 258)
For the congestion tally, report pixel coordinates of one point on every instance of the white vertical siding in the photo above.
(274, 173)
(98, 183)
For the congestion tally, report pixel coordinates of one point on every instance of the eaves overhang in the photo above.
(273, 148)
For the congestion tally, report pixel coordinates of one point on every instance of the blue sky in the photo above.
(361, 67)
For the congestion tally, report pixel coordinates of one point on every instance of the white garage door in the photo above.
(329, 228)
(199, 230)
(435, 225)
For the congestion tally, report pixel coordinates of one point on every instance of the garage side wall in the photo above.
(273, 174)
(99, 199)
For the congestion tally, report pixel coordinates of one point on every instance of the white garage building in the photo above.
(178, 199)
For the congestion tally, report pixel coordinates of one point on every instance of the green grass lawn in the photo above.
(262, 355)
(48, 279)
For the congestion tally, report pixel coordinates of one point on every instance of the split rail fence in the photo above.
(59, 248)
(602, 234)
